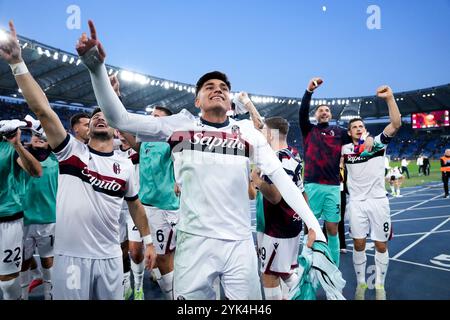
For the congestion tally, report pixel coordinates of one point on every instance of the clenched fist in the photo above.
(385, 92)
(314, 83)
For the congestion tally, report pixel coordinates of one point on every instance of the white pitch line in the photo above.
(419, 233)
(415, 195)
(418, 193)
(420, 239)
(423, 218)
(416, 205)
(435, 207)
(420, 264)
(415, 191)
(410, 262)
(407, 234)
(393, 203)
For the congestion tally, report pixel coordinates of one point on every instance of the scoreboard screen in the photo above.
(433, 119)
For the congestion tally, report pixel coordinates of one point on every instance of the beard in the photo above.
(102, 136)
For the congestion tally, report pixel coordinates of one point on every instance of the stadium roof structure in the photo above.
(65, 80)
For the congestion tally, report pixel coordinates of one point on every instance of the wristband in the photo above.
(148, 239)
(19, 68)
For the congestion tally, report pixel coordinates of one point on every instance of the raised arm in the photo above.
(93, 56)
(386, 94)
(303, 114)
(37, 101)
(25, 160)
(244, 100)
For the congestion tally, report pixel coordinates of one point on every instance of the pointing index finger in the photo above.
(92, 28)
(13, 29)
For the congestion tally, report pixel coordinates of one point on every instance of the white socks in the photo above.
(292, 280)
(381, 266)
(126, 279)
(157, 274)
(47, 277)
(359, 263)
(11, 289)
(273, 293)
(24, 283)
(166, 285)
(138, 274)
(36, 273)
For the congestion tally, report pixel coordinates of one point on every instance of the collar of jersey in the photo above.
(124, 150)
(215, 125)
(102, 154)
(323, 125)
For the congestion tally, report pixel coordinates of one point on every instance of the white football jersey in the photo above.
(91, 189)
(365, 175)
(212, 164)
(133, 156)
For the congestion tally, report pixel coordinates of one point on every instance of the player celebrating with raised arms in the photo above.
(13, 158)
(92, 185)
(212, 162)
(368, 206)
(322, 144)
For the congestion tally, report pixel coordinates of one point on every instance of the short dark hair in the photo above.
(95, 111)
(278, 123)
(217, 75)
(75, 119)
(164, 109)
(322, 105)
(354, 120)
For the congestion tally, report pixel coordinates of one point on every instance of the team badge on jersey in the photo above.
(116, 168)
(236, 130)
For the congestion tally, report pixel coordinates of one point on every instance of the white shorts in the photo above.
(162, 224)
(41, 236)
(369, 215)
(123, 219)
(11, 241)
(277, 256)
(394, 176)
(87, 279)
(199, 261)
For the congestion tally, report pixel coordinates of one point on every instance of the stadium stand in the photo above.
(67, 85)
